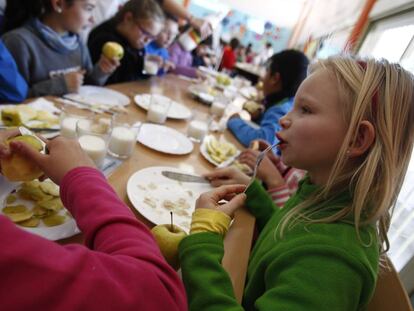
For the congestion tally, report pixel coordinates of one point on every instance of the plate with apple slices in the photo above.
(36, 207)
(154, 196)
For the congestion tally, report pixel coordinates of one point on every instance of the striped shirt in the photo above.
(292, 176)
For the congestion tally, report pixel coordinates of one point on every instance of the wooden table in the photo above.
(249, 71)
(238, 240)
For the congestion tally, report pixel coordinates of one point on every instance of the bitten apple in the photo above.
(113, 50)
(168, 238)
(18, 168)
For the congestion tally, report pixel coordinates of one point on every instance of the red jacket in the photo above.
(120, 268)
(229, 58)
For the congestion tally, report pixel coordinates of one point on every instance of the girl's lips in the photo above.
(281, 140)
(282, 143)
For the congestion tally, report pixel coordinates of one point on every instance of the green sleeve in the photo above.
(207, 284)
(315, 279)
(260, 204)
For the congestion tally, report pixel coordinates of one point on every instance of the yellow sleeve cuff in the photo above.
(210, 220)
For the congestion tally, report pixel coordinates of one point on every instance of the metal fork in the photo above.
(259, 159)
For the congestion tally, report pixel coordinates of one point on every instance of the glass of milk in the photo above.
(158, 109)
(68, 121)
(150, 66)
(219, 105)
(123, 137)
(197, 127)
(93, 136)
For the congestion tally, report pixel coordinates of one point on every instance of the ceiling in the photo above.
(283, 13)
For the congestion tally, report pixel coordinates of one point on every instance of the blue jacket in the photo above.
(13, 88)
(245, 132)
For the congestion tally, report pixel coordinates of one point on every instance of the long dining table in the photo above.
(237, 243)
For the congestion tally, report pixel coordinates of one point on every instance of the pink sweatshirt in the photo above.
(120, 268)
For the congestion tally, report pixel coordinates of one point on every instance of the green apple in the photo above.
(168, 238)
(113, 50)
(17, 167)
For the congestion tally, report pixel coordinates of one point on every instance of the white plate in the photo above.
(177, 111)
(96, 95)
(204, 153)
(199, 93)
(65, 230)
(164, 139)
(38, 104)
(151, 184)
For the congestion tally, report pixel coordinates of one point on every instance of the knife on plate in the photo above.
(184, 177)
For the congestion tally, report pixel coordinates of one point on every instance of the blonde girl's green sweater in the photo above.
(314, 267)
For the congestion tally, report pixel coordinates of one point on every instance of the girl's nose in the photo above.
(285, 122)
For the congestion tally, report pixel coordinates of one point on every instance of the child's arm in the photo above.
(13, 86)
(120, 267)
(207, 284)
(245, 133)
(123, 267)
(260, 204)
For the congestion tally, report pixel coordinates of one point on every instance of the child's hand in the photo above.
(227, 176)
(168, 66)
(74, 80)
(107, 65)
(4, 135)
(233, 193)
(64, 155)
(267, 170)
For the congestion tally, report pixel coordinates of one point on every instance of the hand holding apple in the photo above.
(113, 50)
(15, 166)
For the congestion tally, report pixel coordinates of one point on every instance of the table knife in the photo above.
(184, 177)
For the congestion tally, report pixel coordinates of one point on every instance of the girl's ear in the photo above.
(57, 5)
(364, 140)
(128, 17)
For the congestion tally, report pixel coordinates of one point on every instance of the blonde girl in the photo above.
(351, 128)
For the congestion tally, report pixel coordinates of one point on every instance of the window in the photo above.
(392, 38)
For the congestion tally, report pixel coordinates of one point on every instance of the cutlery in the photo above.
(26, 131)
(184, 177)
(33, 129)
(259, 159)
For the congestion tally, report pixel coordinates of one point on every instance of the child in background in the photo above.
(158, 47)
(43, 39)
(13, 86)
(229, 57)
(352, 130)
(280, 180)
(120, 267)
(134, 26)
(286, 70)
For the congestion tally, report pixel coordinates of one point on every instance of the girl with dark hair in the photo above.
(43, 39)
(285, 72)
(136, 24)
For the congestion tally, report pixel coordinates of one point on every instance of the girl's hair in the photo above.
(142, 10)
(382, 93)
(292, 66)
(18, 12)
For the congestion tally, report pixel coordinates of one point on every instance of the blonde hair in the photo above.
(382, 93)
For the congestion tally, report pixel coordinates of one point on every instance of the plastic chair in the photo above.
(390, 294)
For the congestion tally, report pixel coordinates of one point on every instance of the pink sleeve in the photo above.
(279, 195)
(120, 268)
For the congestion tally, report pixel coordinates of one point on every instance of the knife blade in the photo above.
(184, 177)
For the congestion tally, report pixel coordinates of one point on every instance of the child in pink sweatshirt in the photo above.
(120, 266)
